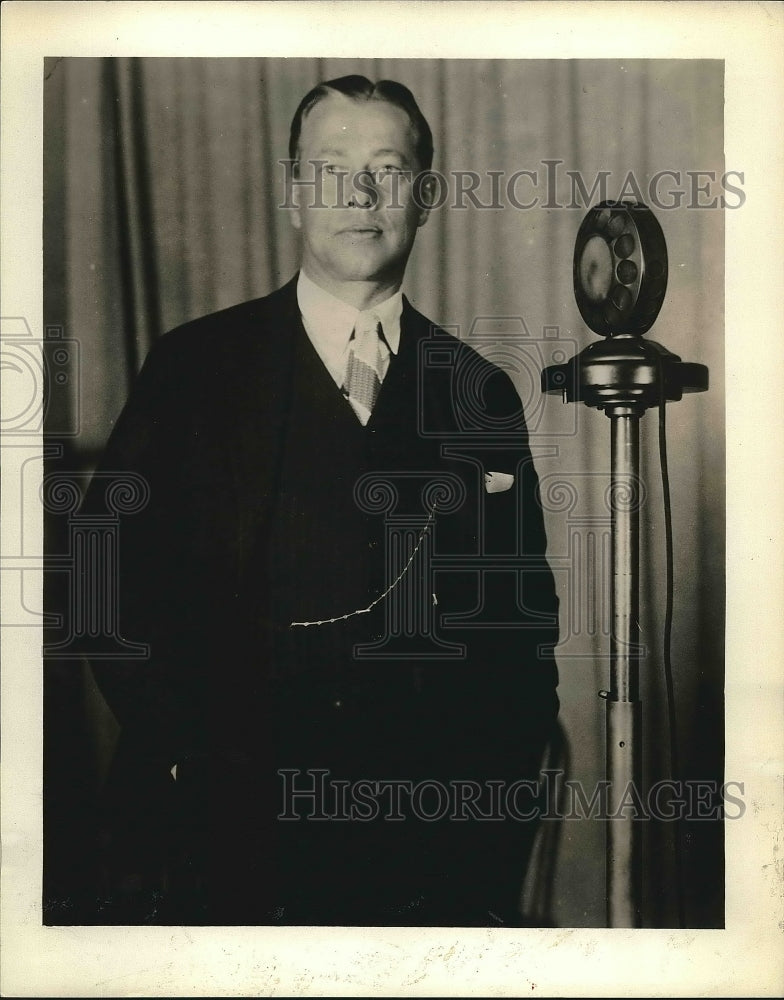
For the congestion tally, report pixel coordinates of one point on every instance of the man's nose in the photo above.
(364, 193)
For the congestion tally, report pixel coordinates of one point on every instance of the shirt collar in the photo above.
(333, 320)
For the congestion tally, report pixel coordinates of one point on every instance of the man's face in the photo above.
(367, 231)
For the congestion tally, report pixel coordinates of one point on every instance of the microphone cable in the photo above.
(667, 643)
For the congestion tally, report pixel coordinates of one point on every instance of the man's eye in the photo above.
(333, 168)
(389, 170)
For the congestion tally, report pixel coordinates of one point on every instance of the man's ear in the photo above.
(425, 196)
(293, 197)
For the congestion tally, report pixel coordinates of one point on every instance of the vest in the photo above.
(326, 559)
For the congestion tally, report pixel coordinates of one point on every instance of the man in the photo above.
(341, 577)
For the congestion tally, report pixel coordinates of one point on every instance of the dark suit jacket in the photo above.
(204, 425)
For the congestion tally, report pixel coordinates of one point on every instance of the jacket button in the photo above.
(337, 703)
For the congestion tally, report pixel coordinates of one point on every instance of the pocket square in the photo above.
(497, 482)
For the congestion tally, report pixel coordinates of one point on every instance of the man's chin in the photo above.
(356, 266)
(364, 271)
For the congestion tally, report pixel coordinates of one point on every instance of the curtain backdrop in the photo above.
(162, 195)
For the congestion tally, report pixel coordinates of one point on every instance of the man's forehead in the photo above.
(338, 120)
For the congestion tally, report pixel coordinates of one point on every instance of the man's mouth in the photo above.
(362, 231)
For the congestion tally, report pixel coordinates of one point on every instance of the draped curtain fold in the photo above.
(163, 193)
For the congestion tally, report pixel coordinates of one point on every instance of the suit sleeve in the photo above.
(514, 525)
(156, 438)
(501, 699)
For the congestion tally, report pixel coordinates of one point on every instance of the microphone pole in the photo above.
(620, 278)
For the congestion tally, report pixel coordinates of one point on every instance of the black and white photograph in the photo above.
(379, 421)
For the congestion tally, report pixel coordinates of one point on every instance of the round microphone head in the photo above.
(620, 268)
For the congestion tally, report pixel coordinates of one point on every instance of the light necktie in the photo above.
(368, 360)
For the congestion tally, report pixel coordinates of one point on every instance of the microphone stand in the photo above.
(623, 375)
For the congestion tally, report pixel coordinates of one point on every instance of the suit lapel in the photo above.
(263, 393)
(262, 390)
(411, 396)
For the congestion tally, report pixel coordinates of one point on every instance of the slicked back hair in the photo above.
(360, 88)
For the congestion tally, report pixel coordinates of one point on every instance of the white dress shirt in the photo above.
(329, 323)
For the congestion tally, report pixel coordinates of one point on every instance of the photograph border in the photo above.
(744, 958)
